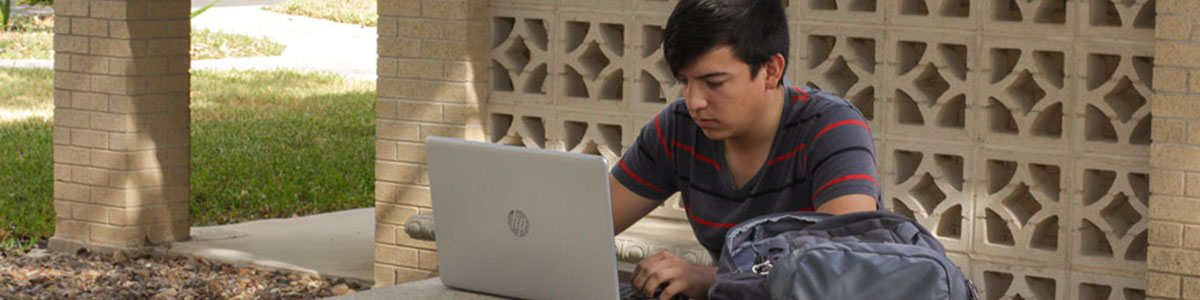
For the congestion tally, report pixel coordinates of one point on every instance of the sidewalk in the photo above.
(339, 244)
(30, 10)
(312, 44)
(201, 3)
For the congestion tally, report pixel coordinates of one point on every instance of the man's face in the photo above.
(721, 96)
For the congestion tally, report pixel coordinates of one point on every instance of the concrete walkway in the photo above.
(339, 244)
(224, 3)
(312, 44)
(27, 63)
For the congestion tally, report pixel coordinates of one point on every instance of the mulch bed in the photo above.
(87, 275)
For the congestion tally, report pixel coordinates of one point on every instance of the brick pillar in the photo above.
(1174, 254)
(121, 137)
(431, 61)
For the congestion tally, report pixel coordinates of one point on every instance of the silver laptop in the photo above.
(519, 222)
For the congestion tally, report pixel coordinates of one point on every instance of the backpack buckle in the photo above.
(762, 268)
(974, 290)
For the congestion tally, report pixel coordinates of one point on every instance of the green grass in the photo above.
(27, 38)
(33, 38)
(27, 178)
(26, 89)
(207, 44)
(265, 144)
(26, 172)
(359, 12)
(278, 144)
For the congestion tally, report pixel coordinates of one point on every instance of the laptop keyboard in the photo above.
(629, 293)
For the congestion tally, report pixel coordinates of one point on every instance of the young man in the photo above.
(742, 142)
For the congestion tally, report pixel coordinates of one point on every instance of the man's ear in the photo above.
(774, 69)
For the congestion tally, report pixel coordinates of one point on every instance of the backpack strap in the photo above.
(770, 225)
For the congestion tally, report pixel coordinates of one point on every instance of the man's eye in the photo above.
(715, 84)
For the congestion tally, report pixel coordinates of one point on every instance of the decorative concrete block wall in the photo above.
(1174, 254)
(121, 117)
(431, 55)
(1018, 131)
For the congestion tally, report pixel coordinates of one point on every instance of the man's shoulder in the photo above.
(670, 122)
(812, 104)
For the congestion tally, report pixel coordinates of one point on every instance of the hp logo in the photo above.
(518, 223)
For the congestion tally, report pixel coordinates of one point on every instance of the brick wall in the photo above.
(121, 137)
(1174, 254)
(429, 62)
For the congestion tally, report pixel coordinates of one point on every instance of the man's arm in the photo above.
(841, 162)
(663, 267)
(848, 204)
(627, 206)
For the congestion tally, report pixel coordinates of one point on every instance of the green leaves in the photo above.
(5, 11)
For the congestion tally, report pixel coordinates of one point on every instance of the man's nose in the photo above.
(695, 100)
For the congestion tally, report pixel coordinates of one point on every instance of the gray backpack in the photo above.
(807, 255)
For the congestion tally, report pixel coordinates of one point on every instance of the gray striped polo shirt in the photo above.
(822, 150)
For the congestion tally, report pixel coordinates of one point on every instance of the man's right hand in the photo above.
(678, 276)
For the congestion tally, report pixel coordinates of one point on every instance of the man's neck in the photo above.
(762, 133)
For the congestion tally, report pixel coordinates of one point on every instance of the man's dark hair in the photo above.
(755, 29)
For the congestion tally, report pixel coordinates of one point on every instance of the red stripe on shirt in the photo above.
(706, 222)
(639, 179)
(810, 208)
(785, 156)
(802, 96)
(839, 124)
(841, 179)
(699, 157)
(831, 127)
(660, 138)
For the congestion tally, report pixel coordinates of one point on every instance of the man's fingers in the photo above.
(651, 283)
(674, 288)
(643, 276)
(640, 274)
(637, 268)
(669, 275)
(653, 271)
(649, 264)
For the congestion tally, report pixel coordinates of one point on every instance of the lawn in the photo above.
(208, 44)
(27, 178)
(33, 38)
(25, 93)
(265, 144)
(27, 38)
(279, 144)
(358, 12)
